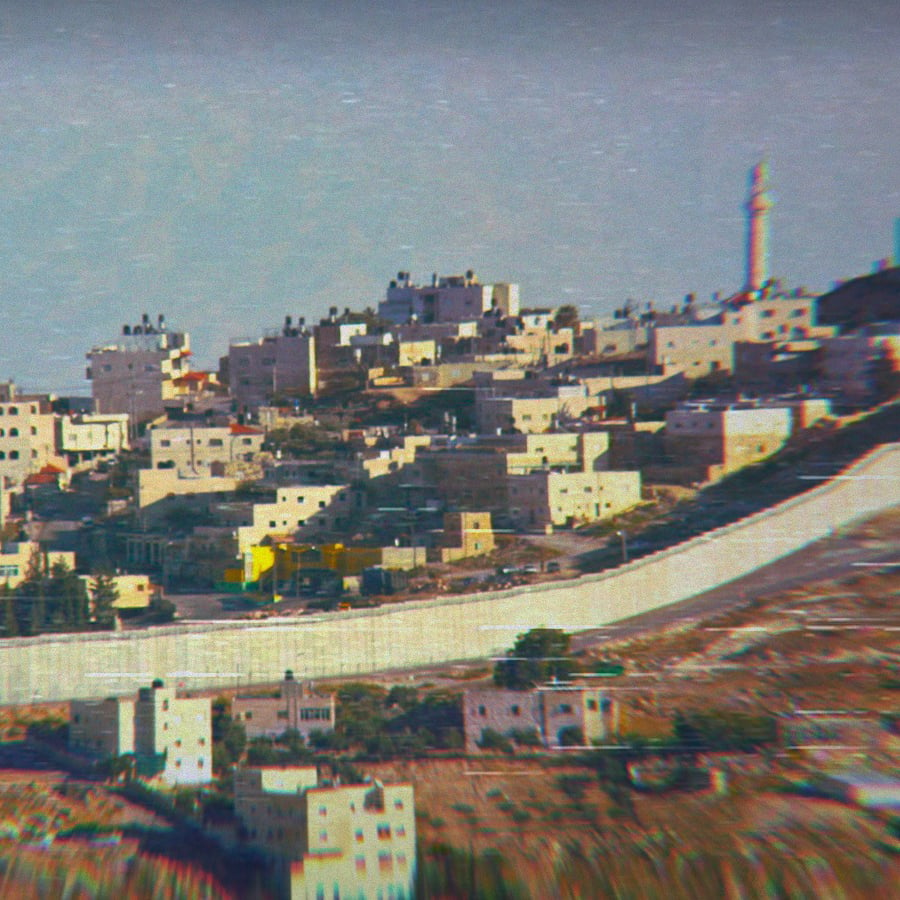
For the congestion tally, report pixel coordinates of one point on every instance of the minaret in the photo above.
(758, 206)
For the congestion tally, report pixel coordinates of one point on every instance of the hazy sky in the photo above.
(229, 163)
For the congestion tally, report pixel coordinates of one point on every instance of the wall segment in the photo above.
(227, 654)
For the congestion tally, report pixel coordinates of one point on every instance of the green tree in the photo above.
(104, 594)
(539, 655)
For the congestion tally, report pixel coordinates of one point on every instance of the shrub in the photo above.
(493, 740)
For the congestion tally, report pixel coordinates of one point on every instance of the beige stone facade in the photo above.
(27, 439)
(546, 711)
(173, 736)
(332, 840)
(717, 438)
(16, 559)
(302, 511)
(135, 374)
(227, 450)
(281, 362)
(297, 708)
(542, 499)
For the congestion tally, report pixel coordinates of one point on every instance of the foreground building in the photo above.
(553, 714)
(170, 736)
(296, 708)
(330, 840)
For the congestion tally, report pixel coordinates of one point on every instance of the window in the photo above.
(323, 837)
(215, 442)
(401, 831)
(301, 523)
(165, 443)
(282, 714)
(360, 864)
(516, 710)
(565, 707)
(482, 711)
(13, 432)
(321, 504)
(592, 704)
(384, 831)
(384, 862)
(33, 430)
(299, 498)
(13, 454)
(248, 715)
(398, 804)
(14, 410)
(358, 835)
(272, 524)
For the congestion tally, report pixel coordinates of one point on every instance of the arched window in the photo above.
(13, 432)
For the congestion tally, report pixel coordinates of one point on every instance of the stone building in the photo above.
(552, 713)
(136, 373)
(330, 840)
(170, 736)
(296, 708)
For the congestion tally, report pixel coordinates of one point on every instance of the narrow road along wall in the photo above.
(225, 654)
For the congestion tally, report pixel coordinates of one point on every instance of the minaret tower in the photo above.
(758, 206)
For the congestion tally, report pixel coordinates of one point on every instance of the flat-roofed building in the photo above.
(86, 437)
(199, 451)
(552, 713)
(27, 438)
(329, 839)
(283, 361)
(136, 373)
(545, 498)
(449, 298)
(296, 708)
(173, 736)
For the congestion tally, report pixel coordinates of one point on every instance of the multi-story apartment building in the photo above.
(302, 511)
(297, 708)
(136, 373)
(283, 361)
(170, 736)
(330, 840)
(715, 438)
(173, 736)
(552, 712)
(450, 298)
(27, 438)
(197, 451)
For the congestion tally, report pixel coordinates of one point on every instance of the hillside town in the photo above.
(329, 460)
(448, 443)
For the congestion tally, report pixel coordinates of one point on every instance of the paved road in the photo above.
(836, 556)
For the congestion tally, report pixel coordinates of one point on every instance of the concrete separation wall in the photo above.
(225, 654)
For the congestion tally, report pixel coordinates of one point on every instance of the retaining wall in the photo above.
(226, 654)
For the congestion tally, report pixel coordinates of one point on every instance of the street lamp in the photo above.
(624, 539)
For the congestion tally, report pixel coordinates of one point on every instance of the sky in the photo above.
(230, 163)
